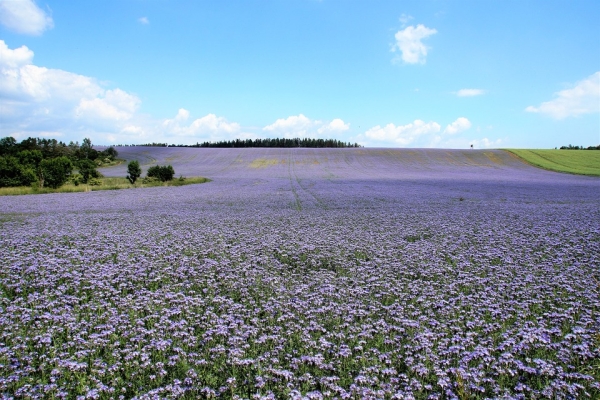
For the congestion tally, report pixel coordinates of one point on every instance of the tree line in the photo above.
(50, 163)
(571, 147)
(277, 142)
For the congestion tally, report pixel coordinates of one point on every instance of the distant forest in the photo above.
(238, 143)
(570, 147)
(50, 163)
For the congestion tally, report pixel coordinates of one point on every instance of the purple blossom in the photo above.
(333, 273)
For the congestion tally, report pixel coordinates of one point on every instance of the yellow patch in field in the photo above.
(493, 158)
(263, 162)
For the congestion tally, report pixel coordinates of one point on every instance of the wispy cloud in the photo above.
(143, 20)
(25, 17)
(404, 19)
(470, 92)
(583, 98)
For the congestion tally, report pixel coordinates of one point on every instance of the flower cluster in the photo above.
(307, 283)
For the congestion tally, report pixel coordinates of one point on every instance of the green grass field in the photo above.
(581, 162)
(107, 184)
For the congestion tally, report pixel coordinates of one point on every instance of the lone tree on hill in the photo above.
(134, 171)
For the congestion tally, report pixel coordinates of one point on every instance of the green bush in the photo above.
(94, 182)
(54, 172)
(150, 179)
(13, 173)
(134, 171)
(161, 172)
(31, 158)
(76, 179)
(87, 169)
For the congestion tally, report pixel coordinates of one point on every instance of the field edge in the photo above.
(523, 154)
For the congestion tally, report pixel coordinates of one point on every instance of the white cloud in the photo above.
(44, 102)
(486, 143)
(182, 115)
(24, 16)
(422, 134)
(470, 92)
(402, 135)
(115, 105)
(292, 126)
(334, 127)
(36, 100)
(461, 124)
(213, 124)
(301, 126)
(133, 129)
(408, 41)
(210, 127)
(143, 20)
(14, 58)
(583, 98)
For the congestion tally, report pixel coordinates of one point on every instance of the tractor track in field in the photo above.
(304, 189)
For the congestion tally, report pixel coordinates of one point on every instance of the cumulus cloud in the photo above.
(210, 127)
(116, 105)
(583, 98)
(402, 135)
(302, 126)
(470, 92)
(334, 127)
(37, 100)
(14, 58)
(409, 43)
(461, 124)
(24, 16)
(292, 126)
(420, 134)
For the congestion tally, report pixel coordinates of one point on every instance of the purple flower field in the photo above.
(306, 274)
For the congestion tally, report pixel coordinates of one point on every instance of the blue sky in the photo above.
(382, 73)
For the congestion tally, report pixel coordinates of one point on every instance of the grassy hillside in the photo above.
(582, 162)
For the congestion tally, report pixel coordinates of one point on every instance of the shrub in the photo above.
(54, 172)
(12, 173)
(150, 179)
(134, 171)
(161, 172)
(87, 169)
(76, 179)
(109, 153)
